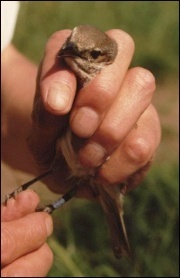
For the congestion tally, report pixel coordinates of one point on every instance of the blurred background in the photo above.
(80, 242)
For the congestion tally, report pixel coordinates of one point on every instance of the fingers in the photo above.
(23, 204)
(56, 87)
(135, 152)
(133, 98)
(58, 84)
(34, 264)
(24, 235)
(104, 112)
(56, 91)
(24, 253)
(94, 99)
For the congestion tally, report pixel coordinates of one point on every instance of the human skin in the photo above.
(24, 251)
(19, 259)
(122, 122)
(113, 113)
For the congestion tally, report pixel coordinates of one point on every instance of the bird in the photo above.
(86, 52)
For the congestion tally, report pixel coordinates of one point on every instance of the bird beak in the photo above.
(68, 50)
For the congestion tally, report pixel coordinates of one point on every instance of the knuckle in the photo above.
(138, 151)
(109, 134)
(107, 177)
(105, 93)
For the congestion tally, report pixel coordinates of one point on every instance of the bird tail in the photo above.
(113, 209)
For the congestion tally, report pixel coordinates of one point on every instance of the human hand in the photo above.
(24, 251)
(113, 113)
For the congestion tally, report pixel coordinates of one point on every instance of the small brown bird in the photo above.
(86, 52)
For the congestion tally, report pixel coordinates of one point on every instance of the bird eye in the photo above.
(95, 54)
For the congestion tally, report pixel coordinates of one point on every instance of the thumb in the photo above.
(55, 91)
(23, 204)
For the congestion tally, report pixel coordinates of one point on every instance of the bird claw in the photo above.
(25, 186)
(13, 194)
(51, 207)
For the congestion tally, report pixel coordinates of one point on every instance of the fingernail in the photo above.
(85, 122)
(49, 225)
(92, 155)
(58, 97)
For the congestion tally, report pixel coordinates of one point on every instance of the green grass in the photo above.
(80, 241)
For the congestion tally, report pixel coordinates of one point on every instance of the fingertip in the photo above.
(25, 235)
(43, 223)
(58, 91)
(23, 204)
(56, 40)
(59, 98)
(28, 198)
(122, 38)
(49, 225)
(84, 121)
(57, 82)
